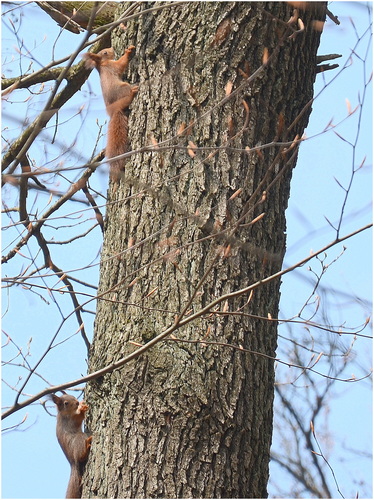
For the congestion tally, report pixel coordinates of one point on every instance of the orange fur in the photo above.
(118, 96)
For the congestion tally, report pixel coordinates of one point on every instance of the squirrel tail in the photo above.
(117, 142)
(75, 482)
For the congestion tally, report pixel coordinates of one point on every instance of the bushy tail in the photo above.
(117, 142)
(75, 482)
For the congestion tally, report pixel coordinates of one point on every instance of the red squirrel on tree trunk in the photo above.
(118, 96)
(74, 442)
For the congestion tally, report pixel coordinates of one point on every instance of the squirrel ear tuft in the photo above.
(55, 398)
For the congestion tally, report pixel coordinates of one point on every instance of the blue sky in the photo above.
(33, 465)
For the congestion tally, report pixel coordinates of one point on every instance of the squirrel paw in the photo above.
(86, 451)
(83, 407)
(88, 442)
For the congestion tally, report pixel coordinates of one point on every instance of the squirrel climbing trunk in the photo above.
(74, 442)
(118, 96)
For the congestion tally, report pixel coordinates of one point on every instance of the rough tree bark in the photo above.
(195, 419)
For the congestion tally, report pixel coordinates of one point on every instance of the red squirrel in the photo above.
(118, 96)
(73, 441)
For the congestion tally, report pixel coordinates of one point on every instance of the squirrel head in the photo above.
(106, 54)
(93, 60)
(66, 404)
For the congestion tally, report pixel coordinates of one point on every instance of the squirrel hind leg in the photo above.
(88, 446)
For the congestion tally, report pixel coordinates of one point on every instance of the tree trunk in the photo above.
(192, 417)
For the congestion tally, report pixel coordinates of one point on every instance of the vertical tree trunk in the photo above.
(192, 419)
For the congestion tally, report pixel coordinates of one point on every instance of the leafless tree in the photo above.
(180, 378)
